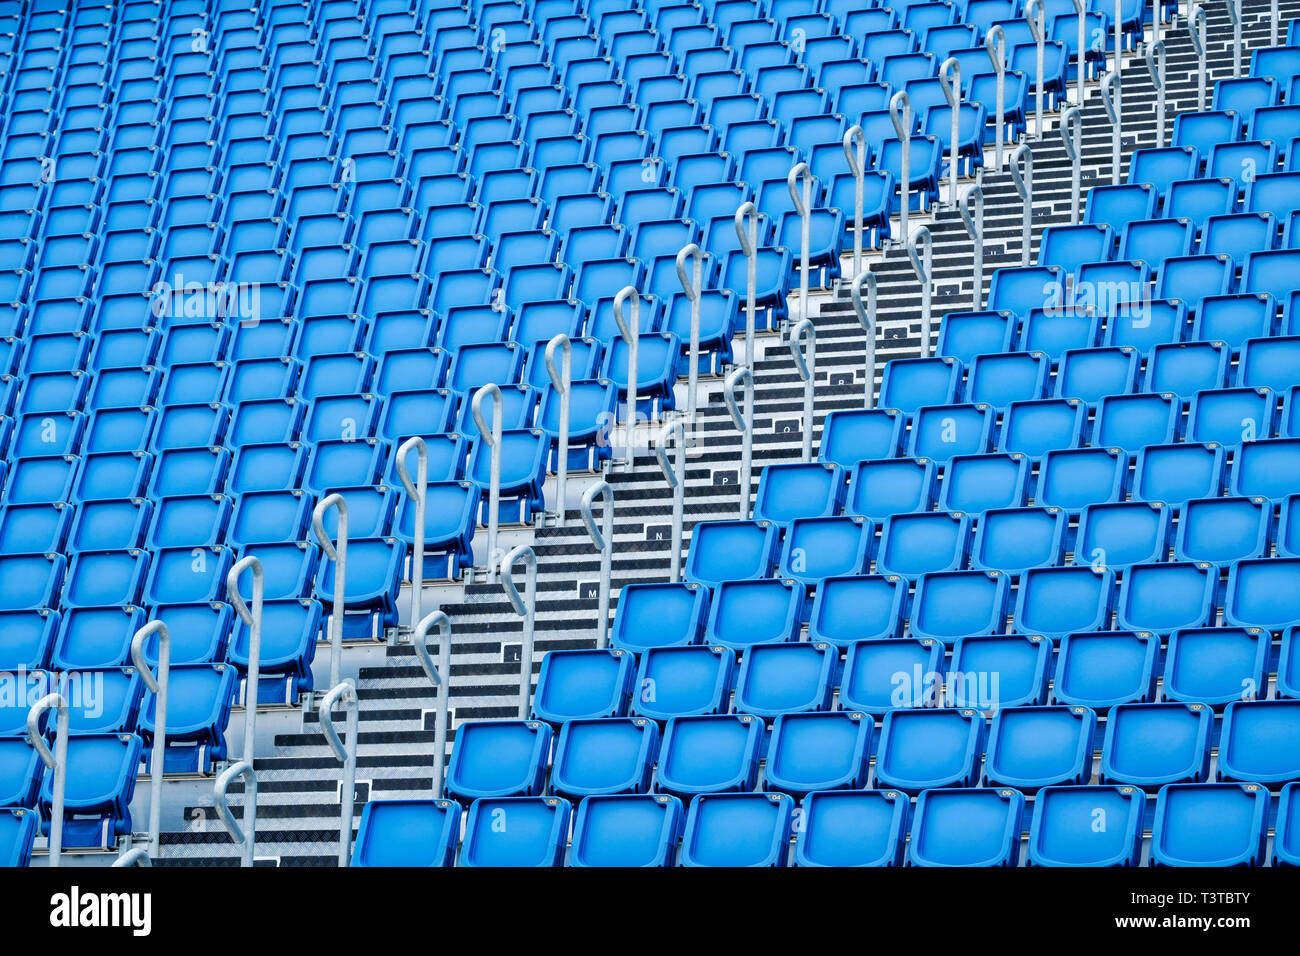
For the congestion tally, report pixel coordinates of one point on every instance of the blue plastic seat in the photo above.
(659, 615)
(1054, 602)
(816, 548)
(608, 755)
(998, 379)
(1266, 468)
(407, 833)
(1258, 594)
(1184, 368)
(1117, 206)
(1034, 747)
(196, 717)
(785, 678)
(626, 830)
(1132, 422)
(1035, 428)
(913, 544)
(744, 613)
(954, 604)
(1222, 530)
(941, 432)
(849, 437)
(498, 759)
(730, 551)
(1209, 825)
(100, 784)
(808, 490)
(926, 747)
(852, 828)
(860, 607)
(907, 384)
(534, 835)
(967, 335)
(1286, 845)
(880, 488)
(1119, 534)
(812, 752)
(1103, 669)
(1237, 235)
(1230, 416)
(17, 833)
(1196, 200)
(523, 464)
(1150, 745)
(738, 829)
(1013, 540)
(1065, 830)
(1069, 247)
(993, 671)
(1072, 479)
(709, 754)
(683, 681)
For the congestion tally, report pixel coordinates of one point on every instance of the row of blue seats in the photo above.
(1097, 670)
(1191, 825)
(1194, 199)
(1048, 602)
(1089, 375)
(1143, 745)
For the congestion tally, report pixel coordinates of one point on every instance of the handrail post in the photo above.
(562, 379)
(996, 44)
(1234, 12)
(245, 836)
(525, 607)
(632, 335)
(603, 538)
(417, 491)
(1110, 95)
(1119, 50)
(56, 761)
(923, 266)
(1036, 17)
(801, 176)
(744, 420)
(1200, 33)
(675, 475)
(1024, 183)
(1081, 12)
(866, 313)
(805, 360)
(972, 214)
(900, 113)
(747, 232)
(159, 685)
(1272, 23)
(950, 82)
(1156, 65)
(855, 151)
(693, 286)
(492, 436)
(346, 691)
(1072, 139)
(440, 676)
(339, 555)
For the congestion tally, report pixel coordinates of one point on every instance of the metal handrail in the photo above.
(951, 86)
(603, 538)
(1037, 19)
(56, 761)
(1024, 183)
(866, 313)
(492, 436)
(923, 266)
(159, 685)
(1156, 65)
(1072, 138)
(801, 176)
(693, 287)
(971, 209)
(1119, 51)
(417, 491)
(675, 474)
(440, 677)
(805, 360)
(246, 838)
(996, 44)
(339, 555)
(1234, 13)
(744, 420)
(747, 232)
(562, 380)
(525, 607)
(855, 151)
(1110, 99)
(1081, 13)
(632, 336)
(1200, 33)
(1272, 23)
(345, 691)
(900, 114)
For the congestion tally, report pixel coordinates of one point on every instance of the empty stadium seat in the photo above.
(1209, 825)
(737, 829)
(626, 830)
(1150, 745)
(407, 833)
(518, 831)
(498, 759)
(709, 754)
(777, 679)
(607, 755)
(576, 684)
(975, 827)
(852, 828)
(1086, 826)
(924, 748)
